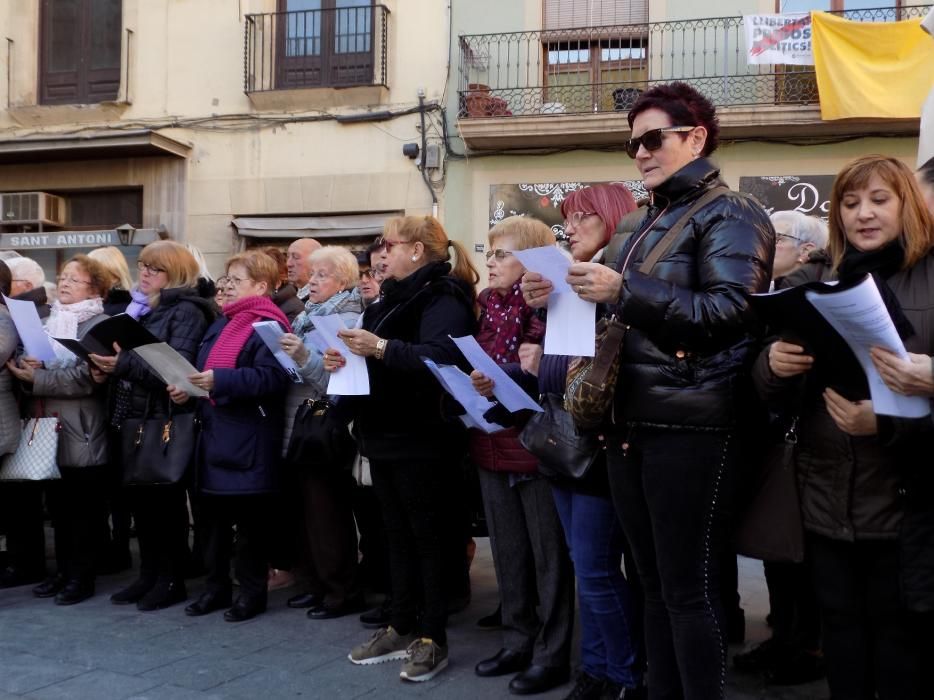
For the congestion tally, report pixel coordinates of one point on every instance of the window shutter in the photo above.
(569, 14)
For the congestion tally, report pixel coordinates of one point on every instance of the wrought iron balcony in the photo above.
(329, 48)
(604, 69)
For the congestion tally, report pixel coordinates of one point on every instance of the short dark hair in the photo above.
(685, 106)
(6, 279)
(374, 247)
(926, 172)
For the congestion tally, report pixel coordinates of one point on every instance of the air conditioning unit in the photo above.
(32, 208)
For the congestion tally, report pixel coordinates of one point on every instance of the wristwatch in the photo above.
(381, 348)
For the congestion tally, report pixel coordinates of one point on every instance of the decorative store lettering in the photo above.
(70, 239)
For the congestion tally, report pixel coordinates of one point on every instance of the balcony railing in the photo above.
(604, 69)
(331, 48)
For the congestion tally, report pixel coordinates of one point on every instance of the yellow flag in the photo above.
(871, 69)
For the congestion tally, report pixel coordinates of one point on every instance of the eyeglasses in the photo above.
(70, 280)
(652, 140)
(367, 275)
(221, 282)
(237, 281)
(387, 244)
(787, 236)
(498, 253)
(577, 217)
(151, 269)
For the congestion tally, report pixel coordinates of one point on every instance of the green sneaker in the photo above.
(385, 645)
(426, 660)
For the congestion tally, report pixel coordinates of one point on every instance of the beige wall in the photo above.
(468, 201)
(186, 62)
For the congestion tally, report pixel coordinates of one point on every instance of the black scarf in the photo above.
(881, 264)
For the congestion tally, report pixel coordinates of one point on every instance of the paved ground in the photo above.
(99, 651)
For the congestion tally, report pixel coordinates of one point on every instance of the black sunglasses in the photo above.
(652, 140)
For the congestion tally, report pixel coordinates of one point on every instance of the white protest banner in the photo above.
(779, 39)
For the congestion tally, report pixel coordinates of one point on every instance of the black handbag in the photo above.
(563, 450)
(158, 449)
(320, 438)
(771, 527)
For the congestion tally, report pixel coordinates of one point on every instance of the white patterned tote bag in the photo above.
(36, 458)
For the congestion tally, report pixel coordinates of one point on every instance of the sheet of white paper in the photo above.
(505, 389)
(352, 379)
(859, 315)
(171, 367)
(29, 328)
(571, 327)
(458, 385)
(313, 339)
(270, 332)
(549, 262)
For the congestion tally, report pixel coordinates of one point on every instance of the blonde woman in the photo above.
(167, 303)
(113, 260)
(330, 536)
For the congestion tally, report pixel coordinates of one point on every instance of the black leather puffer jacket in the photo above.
(690, 340)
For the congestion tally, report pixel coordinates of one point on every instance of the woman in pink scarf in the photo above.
(242, 421)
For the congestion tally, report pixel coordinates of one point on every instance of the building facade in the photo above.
(220, 123)
(543, 88)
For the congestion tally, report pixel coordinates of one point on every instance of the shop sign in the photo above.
(809, 194)
(58, 239)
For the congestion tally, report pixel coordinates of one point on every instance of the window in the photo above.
(79, 51)
(595, 54)
(325, 43)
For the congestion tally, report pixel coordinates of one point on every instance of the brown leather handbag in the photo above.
(591, 381)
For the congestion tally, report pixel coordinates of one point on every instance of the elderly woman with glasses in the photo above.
(329, 537)
(167, 302)
(799, 240)
(682, 393)
(237, 459)
(64, 387)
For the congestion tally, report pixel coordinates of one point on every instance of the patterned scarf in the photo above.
(139, 307)
(347, 297)
(242, 314)
(506, 322)
(63, 323)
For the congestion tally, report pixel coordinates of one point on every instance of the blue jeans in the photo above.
(611, 639)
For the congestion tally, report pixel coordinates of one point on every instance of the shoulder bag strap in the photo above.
(669, 238)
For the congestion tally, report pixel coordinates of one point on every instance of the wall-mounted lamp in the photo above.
(126, 233)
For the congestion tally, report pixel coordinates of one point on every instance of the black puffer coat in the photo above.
(690, 337)
(402, 418)
(180, 319)
(877, 487)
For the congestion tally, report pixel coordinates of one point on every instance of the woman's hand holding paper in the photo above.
(482, 383)
(911, 377)
(854, 418)
(535, 290)
(788, 360)
(595, 282)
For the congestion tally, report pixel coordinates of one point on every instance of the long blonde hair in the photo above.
(113, 259)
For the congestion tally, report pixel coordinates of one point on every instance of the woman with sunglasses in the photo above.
(167, 302)
(673, 445)
(411, 445)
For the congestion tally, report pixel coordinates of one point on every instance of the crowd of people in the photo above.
(644, 536)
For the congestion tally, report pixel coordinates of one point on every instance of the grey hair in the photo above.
(27, 269)
(807, 229)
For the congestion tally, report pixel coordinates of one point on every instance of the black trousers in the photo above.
(374, 547)
(22, 511)
(252, 516)
(872, 645)
(412, 496)
(672, 491)
(793, 606)
(161, 516)
(330, 534)
(77, 506)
